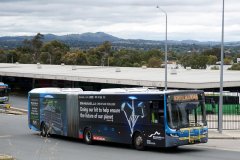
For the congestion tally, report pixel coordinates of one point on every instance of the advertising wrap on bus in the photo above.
(152, 118)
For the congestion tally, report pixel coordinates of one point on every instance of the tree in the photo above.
(37, 43)
(235, 67)
(214, 52)
(3, 57)
(211, 60)
(77, 58)
(56, 50)
(195, 61)
(154, 62)
(228, 61)
(25, 58)
(32, 47)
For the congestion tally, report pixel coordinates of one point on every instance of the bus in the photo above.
(4, 90)
(138, 116)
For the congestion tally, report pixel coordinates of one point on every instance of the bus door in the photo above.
(155, 131)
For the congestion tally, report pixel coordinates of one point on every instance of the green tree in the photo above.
(3, 57)
(56, 50)
(25, 58)
(228, 60)
(154, 62)
(37, 44)
(235, 67)
(214, 52)
(195, 61)
(77, 58)
(211, 60)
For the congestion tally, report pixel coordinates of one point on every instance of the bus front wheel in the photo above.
(88, 136)
(138, 141)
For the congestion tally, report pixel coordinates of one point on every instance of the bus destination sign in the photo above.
(186, 97)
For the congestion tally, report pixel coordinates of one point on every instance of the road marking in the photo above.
(217, 148)
(6, 136)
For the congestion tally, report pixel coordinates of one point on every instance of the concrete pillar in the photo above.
(33, 83)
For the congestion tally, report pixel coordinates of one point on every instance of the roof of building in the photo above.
(179, 78)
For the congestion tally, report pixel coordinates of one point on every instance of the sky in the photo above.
(129, 19)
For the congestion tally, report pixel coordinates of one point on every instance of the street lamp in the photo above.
(50, 58)
(220, 115)
(165, 48)
(105, 54)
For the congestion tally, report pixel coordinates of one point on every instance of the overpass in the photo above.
(123, 76)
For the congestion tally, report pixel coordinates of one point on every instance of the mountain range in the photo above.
(88, 38)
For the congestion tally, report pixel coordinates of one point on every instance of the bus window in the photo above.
(156, 111)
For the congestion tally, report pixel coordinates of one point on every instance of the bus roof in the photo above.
(56, 90)
(108, 91)
(3, 85)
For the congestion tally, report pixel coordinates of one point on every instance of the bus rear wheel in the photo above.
(44, 130)
(88, 136)
(138, 141)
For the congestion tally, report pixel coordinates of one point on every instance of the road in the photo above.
(17, 140)
(18, 101)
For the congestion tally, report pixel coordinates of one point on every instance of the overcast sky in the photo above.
(130, 19)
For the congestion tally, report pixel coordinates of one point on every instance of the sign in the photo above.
(34, 112)
(186, 97)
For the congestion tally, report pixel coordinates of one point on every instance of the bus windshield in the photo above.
(185, 112)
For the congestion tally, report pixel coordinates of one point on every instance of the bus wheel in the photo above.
(138, 141)
(43, 130)
(88, 136)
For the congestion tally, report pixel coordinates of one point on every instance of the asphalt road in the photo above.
(18, 101)
(17, 140)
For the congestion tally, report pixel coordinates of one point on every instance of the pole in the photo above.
(220, 116)
(166, 55)
(165, 86)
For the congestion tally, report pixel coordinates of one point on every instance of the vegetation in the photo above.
(214, 68)
(235, 67)
(36, 50)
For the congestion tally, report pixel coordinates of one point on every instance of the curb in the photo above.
(223, 137)
(14, 111)
(18, 110)
(6, 157)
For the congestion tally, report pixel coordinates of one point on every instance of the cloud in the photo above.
(187, 19)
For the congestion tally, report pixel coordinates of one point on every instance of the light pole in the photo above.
(105, 54)
(165, 88)
(50, 58)
(220, 115)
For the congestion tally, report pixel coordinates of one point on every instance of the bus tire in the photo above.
(43, 130)
(138, 141)
(87, 136)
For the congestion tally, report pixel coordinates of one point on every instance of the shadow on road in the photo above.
(178, 150)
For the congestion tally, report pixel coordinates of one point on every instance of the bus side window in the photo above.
(157, 111)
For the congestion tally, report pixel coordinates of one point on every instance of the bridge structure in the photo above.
(75, 76)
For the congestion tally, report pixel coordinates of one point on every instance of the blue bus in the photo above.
(138, 116)
(4, 93)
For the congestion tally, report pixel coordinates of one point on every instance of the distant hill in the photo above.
(89, 40)
(88, 37)
(93, 37)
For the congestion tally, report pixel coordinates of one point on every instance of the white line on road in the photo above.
(6, 136)
(217, 148)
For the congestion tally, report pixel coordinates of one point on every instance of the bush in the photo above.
(214, 68)
(235, 67)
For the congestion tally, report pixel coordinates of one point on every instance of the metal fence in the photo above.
(231, 112)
